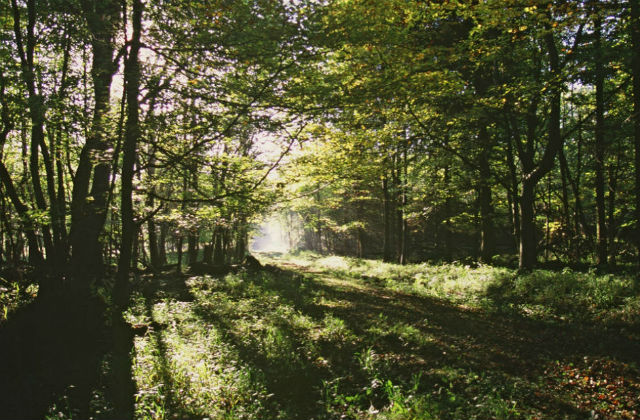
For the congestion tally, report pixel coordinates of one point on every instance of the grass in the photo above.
(543, 294)
(332, 337)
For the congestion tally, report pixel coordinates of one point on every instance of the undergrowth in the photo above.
(565, 295)
(335, 338)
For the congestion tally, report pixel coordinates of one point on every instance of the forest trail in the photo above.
(305, 342)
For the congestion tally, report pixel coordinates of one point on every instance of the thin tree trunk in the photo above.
(35, 255)
(487, 249)
(179, 252)
(528, 252)
(192, 247)
(36, 112)
(218, 250)
(123, 337)
(387, 248)
(515, 211)
(635, 71)
(601, 227)
(448, 246)
(162, 243)
(611, 228)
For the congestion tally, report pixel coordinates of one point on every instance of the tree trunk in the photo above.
(515, 210)
(179, 252)
(218, 250)
(635, 71)
(89, 206)
(601, 227)
(241, 241)
(387, 246)
(404, 231)
(162, 243)
(192, 247)
(528, 252)
(123, 338)
(448, 246)
(36, 112)
(487, 248)
(154, 255)
(611, 227)
(566, 209)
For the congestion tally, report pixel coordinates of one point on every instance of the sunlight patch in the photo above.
(271, 237)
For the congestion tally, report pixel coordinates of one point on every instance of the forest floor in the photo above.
(313, 337)
(327, 337)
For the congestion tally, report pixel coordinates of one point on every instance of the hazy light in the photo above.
(271, 237)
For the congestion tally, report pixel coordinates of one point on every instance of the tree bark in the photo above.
(635, 71)
(386, 197)
(218, 250)
(89, 206)
(528, 252)
(487, 248)
(35, 255)
(192, 247)
(162, 243)
(123, 338)
(601, 227)
(36, 113)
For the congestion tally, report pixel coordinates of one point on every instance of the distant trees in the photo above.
(509, 119)
(440, 130)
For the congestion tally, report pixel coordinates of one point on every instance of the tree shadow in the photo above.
(486, 342)
(408, 335)
(51, 349)
(161, 287)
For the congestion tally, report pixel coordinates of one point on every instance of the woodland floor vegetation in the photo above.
(312, 336)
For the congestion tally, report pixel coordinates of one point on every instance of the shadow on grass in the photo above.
(411, 335)
(50, 353)
(360, 340)
(165, 287)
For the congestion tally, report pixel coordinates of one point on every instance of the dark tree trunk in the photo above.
(154, 254)
(601, 227)
(404, 233)
(241, 241)
(611, 227)
(123, 339)
(635, 70)
(387, 245)
(218, 249)
(192, 247)
(528, 252)
(89, 196)
(207, 255)
(513, 191)
(566, 209)
(448, 246)
(162, 243)
(36, 112)
(179, 252)
(487, 248)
